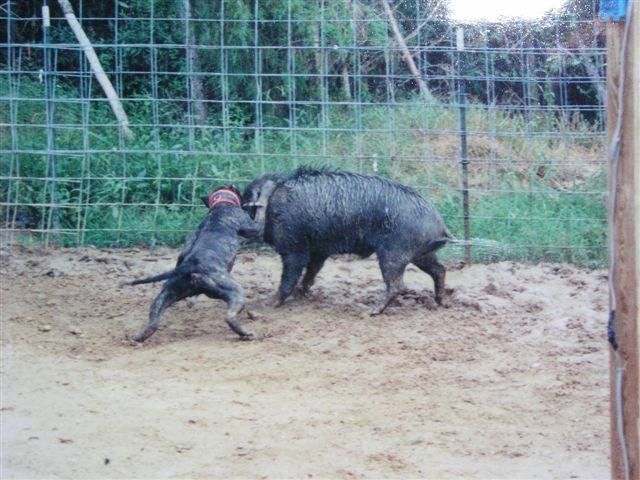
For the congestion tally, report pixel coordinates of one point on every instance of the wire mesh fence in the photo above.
(503, 132)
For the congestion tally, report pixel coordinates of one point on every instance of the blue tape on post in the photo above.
(613, 9)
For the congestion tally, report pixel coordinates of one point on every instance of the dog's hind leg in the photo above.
(224, 287)
(167, 297)
(192, 300)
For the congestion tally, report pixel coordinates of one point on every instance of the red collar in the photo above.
(224, 196)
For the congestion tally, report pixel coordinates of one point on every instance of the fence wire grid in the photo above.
(504, 135)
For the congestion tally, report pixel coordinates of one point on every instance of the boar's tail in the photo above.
(156, 278)
(434, 245)
(493, 245)
(448, 235)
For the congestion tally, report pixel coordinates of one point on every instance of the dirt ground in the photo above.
(510, 381)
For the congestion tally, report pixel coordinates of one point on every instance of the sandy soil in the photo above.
(511, 381)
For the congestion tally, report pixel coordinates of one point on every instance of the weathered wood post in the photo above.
(623, 119)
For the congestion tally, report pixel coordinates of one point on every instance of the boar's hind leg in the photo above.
(431, 266)
(392, 267)
(226, 288)
(292, 266)
(313, 267)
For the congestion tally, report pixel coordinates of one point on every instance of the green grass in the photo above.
(540, 196)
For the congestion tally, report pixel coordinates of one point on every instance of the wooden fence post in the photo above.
(626, 229)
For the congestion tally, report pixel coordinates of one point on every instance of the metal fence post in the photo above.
(464, 161)
(53, 219)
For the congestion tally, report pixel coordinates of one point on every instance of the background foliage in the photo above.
(220, 92)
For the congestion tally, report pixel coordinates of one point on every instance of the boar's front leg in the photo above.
(292, 266)
(313, 267)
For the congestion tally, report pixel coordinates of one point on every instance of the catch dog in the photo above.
(204, 266)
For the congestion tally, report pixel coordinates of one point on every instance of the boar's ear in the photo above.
(263, 200)
(265, 192)
(205, 200)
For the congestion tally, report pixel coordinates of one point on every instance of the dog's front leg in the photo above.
(224, 287)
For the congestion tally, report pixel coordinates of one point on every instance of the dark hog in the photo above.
(204, 266)
(313, 214)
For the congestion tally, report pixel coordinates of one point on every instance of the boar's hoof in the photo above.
(247, 337)
(141, 337)
(443, 302)
(302, 292)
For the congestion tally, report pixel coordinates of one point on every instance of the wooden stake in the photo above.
(627, 235)
(96, 66)
(406, 54)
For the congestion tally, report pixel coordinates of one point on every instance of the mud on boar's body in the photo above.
(313, 214)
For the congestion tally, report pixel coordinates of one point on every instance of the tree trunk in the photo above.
(317, 54)
(346, 85)
(406, 54)
(196, 92)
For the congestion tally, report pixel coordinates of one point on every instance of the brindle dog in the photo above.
(205, 264)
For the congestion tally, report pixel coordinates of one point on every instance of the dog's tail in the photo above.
(155, 278)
